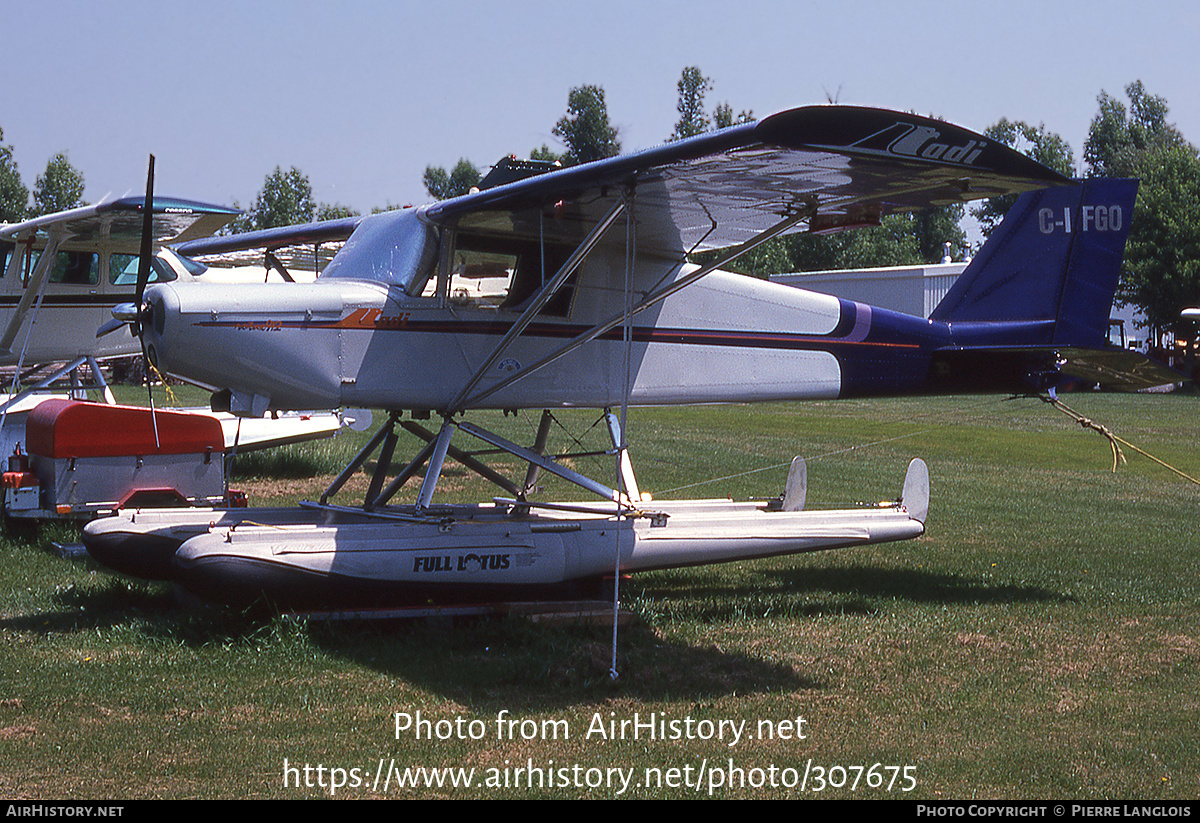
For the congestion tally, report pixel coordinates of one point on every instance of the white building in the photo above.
(914, 290)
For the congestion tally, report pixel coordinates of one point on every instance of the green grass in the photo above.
(1042, 640)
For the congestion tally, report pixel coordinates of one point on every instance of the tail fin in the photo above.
(1031, 310)
(1053, 263)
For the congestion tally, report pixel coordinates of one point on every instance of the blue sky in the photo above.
(361, 96)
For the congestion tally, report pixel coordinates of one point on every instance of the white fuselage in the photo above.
(63, 326)
(337, 342)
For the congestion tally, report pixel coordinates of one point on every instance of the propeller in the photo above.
(147, 248)
(136, 314)
(143, 277)
(131, 314)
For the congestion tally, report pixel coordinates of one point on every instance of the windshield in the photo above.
(393, 248)
(193, 267)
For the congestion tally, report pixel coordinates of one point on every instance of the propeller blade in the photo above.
(144, 265)
(110, 327)
(143, 277)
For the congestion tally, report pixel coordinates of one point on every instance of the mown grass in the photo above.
(1042, 640)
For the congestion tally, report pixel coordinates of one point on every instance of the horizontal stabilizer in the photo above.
(1118, 369)
(1020, 369)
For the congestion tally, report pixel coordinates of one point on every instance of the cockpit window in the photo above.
(123, 269)
(481, 278)
(394, 248)
(76, 268)
(504, 274)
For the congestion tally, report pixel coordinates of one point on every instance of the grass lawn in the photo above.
(1041, 641)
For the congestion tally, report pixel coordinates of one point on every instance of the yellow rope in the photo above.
(1113, 440)
(163, 380)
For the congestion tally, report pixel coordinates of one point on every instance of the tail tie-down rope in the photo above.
(1113, 440)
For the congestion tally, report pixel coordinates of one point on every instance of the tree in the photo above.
(896, 241)
(59, 188)
(285, 200)
(693, 85)
(14, 197)
(585, 130)
(723, 116)
(1036, 142)
(334, 211)
(459, 181)
(892, 243)
(1162, 255)
(545, 154)
(1163, 248)
(933, 228)
(692, 119)
(1117, 137)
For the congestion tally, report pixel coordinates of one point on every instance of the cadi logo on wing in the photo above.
(920, 142)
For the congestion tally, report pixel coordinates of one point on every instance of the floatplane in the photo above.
(602, 286)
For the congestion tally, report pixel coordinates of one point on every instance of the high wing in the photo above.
(119, 222)
(324, 231)
(837, 166)
(114, 226)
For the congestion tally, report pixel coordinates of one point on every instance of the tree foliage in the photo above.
(286, 199)
(1162, 255)
(891, 243)
(545, 154)
(939, 227)
(59, 188)
(692, 119)
(1036, 142)
(14, 196)
(908, 239)
(723, 116)
(441, 184)
(334, 211)
(1118, 137)
(585, 129)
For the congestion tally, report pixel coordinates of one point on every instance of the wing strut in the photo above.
(658, 296)
(37, 282)
(273, 263)
(34, 288)
(14, 397)
(539, 446)
(542, 297)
